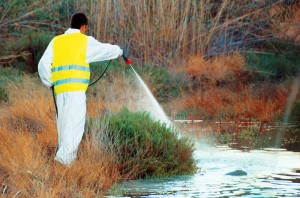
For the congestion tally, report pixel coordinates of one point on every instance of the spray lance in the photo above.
(127, 62)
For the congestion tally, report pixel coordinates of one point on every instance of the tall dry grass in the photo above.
(28, 144)
(158, 32)
(165, 32)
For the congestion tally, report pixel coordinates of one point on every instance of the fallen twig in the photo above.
(19, 192)
(4, 189)
(10, 58)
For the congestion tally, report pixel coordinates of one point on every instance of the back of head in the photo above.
(78, 19)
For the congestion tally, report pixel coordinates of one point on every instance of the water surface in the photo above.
(270, 173)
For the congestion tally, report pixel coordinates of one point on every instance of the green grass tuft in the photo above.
(145, 148)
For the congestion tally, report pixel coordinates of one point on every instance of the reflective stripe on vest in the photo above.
(70, 72)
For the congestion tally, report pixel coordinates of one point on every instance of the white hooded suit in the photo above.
(65, 64)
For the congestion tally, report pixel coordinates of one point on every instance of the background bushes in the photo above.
(25, 53)
(276, 59)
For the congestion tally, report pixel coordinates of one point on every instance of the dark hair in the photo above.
(78, 19)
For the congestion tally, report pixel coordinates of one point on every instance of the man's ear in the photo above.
(83, 29)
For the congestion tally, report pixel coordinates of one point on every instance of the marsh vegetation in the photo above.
(217, 61)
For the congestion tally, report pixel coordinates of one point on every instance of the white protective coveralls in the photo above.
(71, 105)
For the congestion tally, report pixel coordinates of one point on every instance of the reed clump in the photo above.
(161, 32)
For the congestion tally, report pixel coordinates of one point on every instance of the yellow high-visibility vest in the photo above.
(70, 71)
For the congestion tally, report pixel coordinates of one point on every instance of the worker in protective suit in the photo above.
(65, 65)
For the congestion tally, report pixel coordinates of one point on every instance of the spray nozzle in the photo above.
(126, 59)
(128, 62)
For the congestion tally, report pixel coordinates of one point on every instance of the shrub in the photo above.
(3, 94)
(295, 114)
(8, 75)
(220, 71)
(248, 134)
(224, 103)
(145, 148)
(225, 138)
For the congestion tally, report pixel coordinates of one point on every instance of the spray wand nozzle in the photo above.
(126, 59)
(125, 56)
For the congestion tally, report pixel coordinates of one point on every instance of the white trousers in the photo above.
(71, 107)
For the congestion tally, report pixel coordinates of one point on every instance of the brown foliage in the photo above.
(288, 28)
(218, 68)
(230, 105)
(221, 88)
(217, 72)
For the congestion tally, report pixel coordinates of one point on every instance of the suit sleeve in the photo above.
(44, 66)
(97, 51)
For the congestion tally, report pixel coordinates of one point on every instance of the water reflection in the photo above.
(244, 135)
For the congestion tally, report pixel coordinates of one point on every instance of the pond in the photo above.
(266, 172)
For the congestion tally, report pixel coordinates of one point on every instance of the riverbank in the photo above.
(118, 144)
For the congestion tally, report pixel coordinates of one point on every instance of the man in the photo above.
(65, 65)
